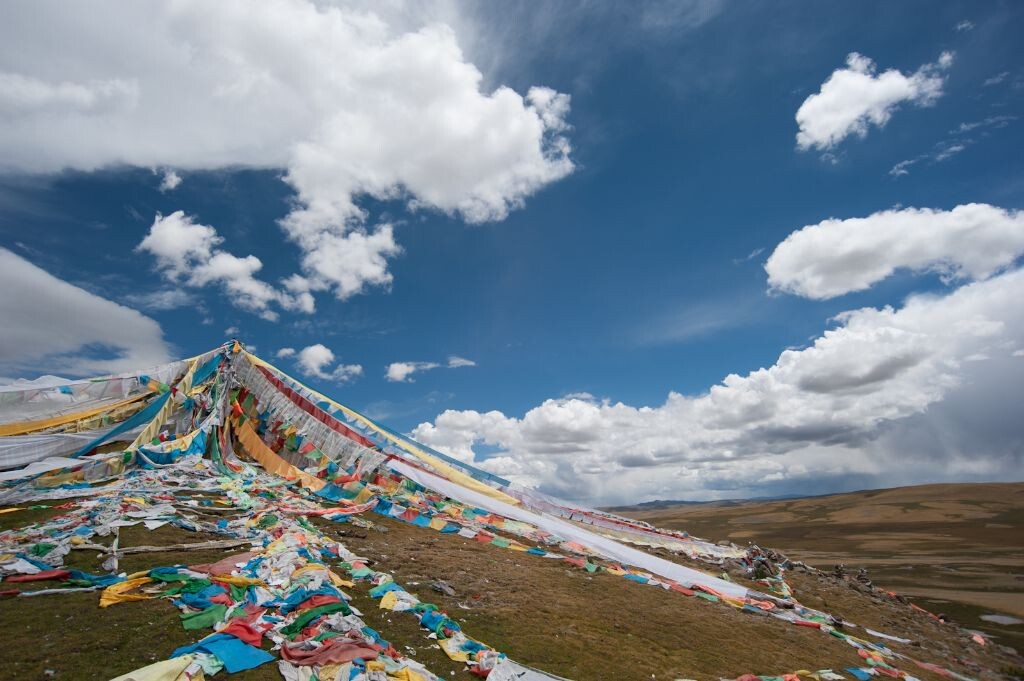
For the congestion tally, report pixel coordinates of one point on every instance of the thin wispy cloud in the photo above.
(990, 122)
(948, 148)
(403, 372)
(750, 256)
(166, 299)
(996, 79)
(696, 320)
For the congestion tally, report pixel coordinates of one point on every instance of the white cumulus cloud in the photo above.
(842, 409)
(188, 253)
(316, 360)
(401, 372)
(52, 325)
(856, 97)
(284, 353)
(349, 105)
(834, 257)
(169, 181)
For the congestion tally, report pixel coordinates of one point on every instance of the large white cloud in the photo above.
(816, 412)
(348, 105)
(51, 325)
(856, 97)
(834, 257)
(187, 252)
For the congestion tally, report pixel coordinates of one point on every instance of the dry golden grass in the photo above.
(958, 548)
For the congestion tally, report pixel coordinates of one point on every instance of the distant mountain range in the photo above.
(668, 503)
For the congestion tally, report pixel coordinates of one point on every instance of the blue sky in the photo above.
(630, 267)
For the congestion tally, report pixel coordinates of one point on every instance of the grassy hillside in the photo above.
(594, 627)
(956, 549)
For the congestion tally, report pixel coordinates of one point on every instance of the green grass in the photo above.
(542, 612)
(68, 636)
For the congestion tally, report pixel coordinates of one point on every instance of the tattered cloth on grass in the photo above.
(118, 593)
(165, 670)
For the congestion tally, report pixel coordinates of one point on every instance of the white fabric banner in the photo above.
(38, 467)
(50, 396)
(19, 450)
(507, 670)
(602, 545)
